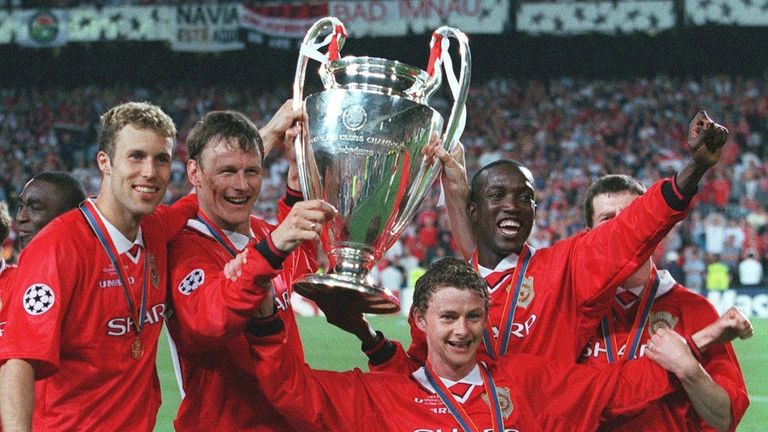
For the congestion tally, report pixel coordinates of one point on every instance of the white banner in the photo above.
(207, 27)
(88, 24)
(727, 12)
(398, 18)
(41, 27)
(6, 27)
(752, 302)
(600, 17)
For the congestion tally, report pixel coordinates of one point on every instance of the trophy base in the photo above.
(354, 295)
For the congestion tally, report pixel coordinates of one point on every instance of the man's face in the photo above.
(608, 205)
(139, 172)
(40, 203)
(228, 182)
(503, 211)
(453, 323)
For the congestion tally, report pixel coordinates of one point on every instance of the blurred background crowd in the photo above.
(569, 131)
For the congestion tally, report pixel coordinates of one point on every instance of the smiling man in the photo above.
(211, 311)
(548, 301)
(453, 391)
(89, 293)
(44, 197)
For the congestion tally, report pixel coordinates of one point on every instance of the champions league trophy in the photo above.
(360, 149)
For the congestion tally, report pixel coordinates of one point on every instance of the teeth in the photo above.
(464, 344)
(238, 200)
(509, 223)
(145, 189)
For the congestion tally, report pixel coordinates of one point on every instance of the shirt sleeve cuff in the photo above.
(674, 197)
(381, 351)
(292, 196)
(273, 255)
(267, 326)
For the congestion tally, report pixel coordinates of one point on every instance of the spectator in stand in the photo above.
(695, 269)
(750, 270)
(718, 277)
(714, 233)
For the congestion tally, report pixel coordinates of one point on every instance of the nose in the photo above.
(22, 215)
(241, 182)
(461, 327)
(148, 169)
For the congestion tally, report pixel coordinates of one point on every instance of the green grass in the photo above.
(327, 347)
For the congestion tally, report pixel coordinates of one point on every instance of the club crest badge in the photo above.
(526, 293)
(505, 401)
(154, 275)
(662, 319)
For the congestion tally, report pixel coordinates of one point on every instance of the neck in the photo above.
(450, 372)
(243, 228)
(122, 219)
(490, 259)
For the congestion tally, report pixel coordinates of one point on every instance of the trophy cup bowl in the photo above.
(361, 150)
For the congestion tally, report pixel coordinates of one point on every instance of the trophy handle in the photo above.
(310, 49)
(439, 55)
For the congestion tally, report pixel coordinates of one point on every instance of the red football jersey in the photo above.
(68, 313)
(686, 312)
(568, 287)
(535, 394)
(6, 285)
(211, 313)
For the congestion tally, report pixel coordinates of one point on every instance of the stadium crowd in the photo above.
(569, 131)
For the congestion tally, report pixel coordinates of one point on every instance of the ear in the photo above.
(105, 164)
(420, 320)
(472, 211)
(194, 173)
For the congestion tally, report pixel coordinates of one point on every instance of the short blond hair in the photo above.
(5, 221)
(142, 115)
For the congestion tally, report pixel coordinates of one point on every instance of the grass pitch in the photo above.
(327, 347)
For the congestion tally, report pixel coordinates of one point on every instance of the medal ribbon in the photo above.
(217, 234)
(633, 339)
(499, 349)
(102, 234)
(456, 408)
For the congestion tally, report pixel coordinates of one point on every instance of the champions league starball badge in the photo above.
(661, 319)
(38, 299)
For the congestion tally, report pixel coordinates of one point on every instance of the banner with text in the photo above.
(753, 302)
(402, 17)
(207, 27)
(727, 12)
(280, 25)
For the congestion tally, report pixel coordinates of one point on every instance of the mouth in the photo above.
(509, 227)
(237, 201)
(461, 345)
(146, 189)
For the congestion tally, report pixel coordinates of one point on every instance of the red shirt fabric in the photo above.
(570, 284)
(535, 394)
(211, 313)
(6, 285)
(80, 335)
(685, 312)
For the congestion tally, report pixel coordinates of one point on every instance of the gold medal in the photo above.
(137, 349)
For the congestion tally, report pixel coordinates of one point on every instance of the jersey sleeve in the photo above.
(721, 364)
(600, 260)
(311, 400)
(211, 309)
(576, 396)
(37, 305)
(172, 219)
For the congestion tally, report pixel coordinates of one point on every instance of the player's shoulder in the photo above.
(68, 231)
(691, 302)
(260, 227)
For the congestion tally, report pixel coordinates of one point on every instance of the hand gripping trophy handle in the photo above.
(361, 150)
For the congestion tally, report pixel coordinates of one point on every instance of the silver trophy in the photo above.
(360, 149)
